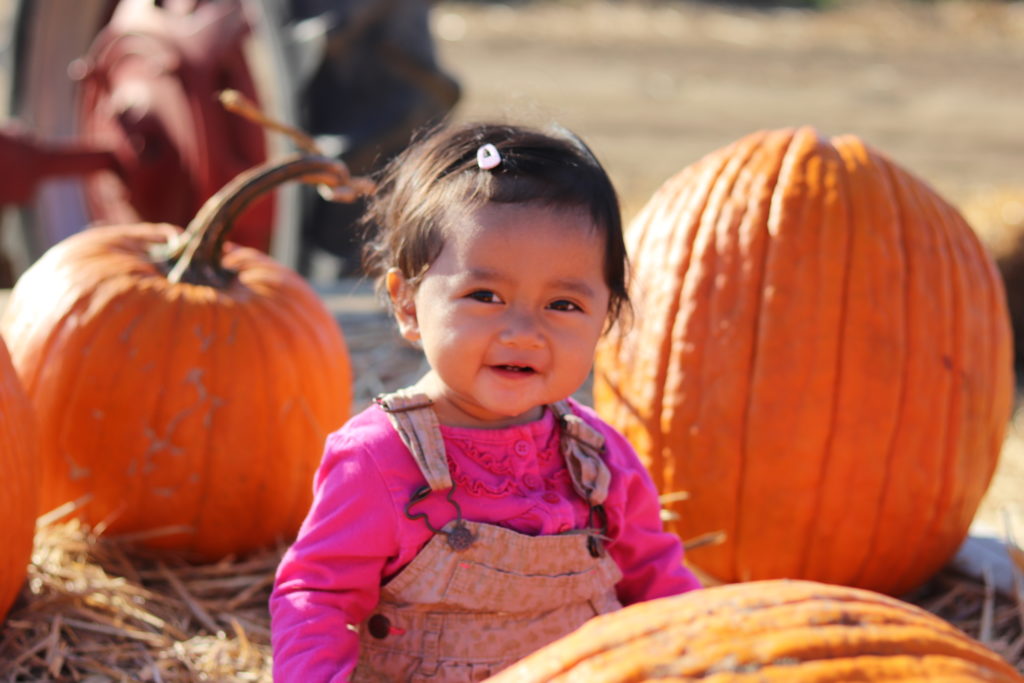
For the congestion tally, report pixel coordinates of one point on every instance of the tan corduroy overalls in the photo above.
(479, 597)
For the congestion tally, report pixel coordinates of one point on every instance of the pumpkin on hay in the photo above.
(183, 385)
(773, 630)
(19, 479)
(821, 358)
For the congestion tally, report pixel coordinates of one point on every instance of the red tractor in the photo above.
(112, 112)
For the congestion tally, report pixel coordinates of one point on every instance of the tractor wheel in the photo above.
(47, 91)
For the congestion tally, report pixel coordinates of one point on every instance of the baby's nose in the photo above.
(522, 330)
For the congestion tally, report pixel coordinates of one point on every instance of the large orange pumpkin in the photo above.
(821, 358)
(774, 630)
(183, 385)
(19, 482)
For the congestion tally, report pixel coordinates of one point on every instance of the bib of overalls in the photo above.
(479, 597)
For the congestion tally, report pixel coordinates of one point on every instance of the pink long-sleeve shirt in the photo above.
(356, 533)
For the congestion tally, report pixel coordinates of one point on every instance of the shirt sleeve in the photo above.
(650, 558)
(329, 579)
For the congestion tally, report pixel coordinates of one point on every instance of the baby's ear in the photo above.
(403, 303)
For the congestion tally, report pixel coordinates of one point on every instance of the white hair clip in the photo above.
(487, 157)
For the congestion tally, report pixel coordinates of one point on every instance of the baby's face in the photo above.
(509, 313)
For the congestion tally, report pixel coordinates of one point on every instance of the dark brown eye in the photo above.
(564, 305)
(485, 295)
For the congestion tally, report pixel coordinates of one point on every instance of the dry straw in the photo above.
(975, 606)
(97, 609)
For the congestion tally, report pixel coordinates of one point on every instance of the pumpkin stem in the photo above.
(195, 256)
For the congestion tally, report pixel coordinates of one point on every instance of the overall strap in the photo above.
(412, 416)
(416, 423)
(581, 447)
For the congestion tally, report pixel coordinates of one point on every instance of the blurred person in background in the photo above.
(378, 81)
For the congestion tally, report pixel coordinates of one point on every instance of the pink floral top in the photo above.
(356, 533)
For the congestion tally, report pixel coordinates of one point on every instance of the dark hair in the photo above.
(438, 174)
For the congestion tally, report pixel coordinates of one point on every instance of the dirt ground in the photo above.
(938, 86)
(653, 87)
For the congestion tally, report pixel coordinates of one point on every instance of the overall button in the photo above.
(379, 626)
(552, 497)
(522, 448)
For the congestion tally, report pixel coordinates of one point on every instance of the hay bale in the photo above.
(97, 609)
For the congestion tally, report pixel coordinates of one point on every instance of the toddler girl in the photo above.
(466, 521)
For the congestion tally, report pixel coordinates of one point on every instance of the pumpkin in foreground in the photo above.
(821, 358)
(183, 385)
(19, 483)
(789, 631)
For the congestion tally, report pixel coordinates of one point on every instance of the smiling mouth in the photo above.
(524, 369)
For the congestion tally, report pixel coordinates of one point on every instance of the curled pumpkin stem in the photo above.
(195, 257)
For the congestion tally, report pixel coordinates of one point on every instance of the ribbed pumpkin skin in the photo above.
(19, 482)
(774, 630)
(176, 404)
(821, 357)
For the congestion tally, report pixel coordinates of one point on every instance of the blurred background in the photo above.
(938, 86)
(109, 113)
(651, 86)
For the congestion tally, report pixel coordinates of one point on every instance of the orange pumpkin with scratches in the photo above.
(19, 482)
(183, 385)
(821, 358)
(766, 632)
